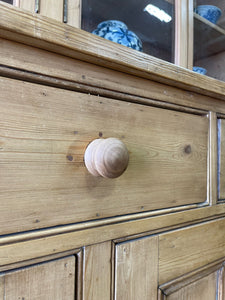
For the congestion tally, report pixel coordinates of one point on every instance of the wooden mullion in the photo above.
(212, 158)
(181, 33)
(190, 29)
(16, 3)
(74, 13)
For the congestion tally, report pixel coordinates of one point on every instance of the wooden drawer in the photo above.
(43, 136)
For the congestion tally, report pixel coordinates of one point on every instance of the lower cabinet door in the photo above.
(206, 284)
(191, 262)
(183, 264)
(54, 280)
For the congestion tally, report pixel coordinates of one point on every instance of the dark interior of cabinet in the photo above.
(157, 36)
(8, 1)
(209, 39)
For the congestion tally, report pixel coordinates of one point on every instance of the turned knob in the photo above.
(106, 157)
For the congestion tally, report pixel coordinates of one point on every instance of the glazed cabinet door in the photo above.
(45, 281)
(209, 38)
(159, 28)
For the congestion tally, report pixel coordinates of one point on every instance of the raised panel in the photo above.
(204, 288)
(97, 272)
(43, 135)
(136, 269)
(46, 281)
(182, 251)
(206, 283)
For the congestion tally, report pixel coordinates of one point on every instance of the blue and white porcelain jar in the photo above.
(199, 70)
(117, 31)
(210, 12)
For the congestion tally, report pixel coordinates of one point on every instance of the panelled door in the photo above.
(184, 264)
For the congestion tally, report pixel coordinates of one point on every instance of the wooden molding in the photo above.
(65, 238)
(212, 158)
(173, 286)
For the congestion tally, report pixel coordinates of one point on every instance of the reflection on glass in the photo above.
(150, 21)
(158, 13)
(209, 37)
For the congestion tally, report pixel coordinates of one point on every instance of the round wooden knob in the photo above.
(106, 157)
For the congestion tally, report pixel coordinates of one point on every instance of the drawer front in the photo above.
(43, 136)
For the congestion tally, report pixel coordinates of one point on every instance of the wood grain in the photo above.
(136, 269)
(146, 222)
(56, 37)
(97, 268)
(213, 144)
(108, 158)
(181, 33)
(23, 247)
(74, 13)
(179, 283)
(28, 5)
(221, 284)
(44, 134)
(205, 288)
(16, 3)
(190, 33)
(182, 251)
(2, 287)
(52, 9)
(95, 79)
(221, 157)
(51, 280)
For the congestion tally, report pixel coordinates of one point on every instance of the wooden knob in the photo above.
(106, 157)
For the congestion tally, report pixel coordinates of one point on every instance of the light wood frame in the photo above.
(184, 33)
(73, 17)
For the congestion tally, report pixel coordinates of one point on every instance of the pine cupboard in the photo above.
(155, 232)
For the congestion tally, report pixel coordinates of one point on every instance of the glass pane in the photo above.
(209, 37)
(151, 23)
(8, 1)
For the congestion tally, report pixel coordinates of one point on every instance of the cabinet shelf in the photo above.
(209, 39)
